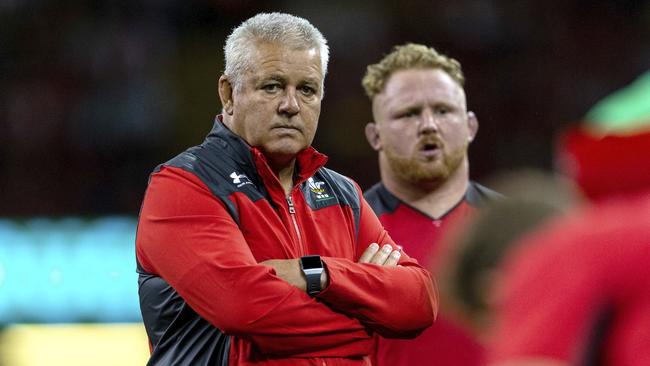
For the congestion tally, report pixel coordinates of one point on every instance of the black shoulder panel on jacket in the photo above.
(179, 336)
(224, 166)
(327, 188)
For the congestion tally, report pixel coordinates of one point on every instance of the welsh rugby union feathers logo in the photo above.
(317, 188)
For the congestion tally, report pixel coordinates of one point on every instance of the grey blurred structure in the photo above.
(93, 95)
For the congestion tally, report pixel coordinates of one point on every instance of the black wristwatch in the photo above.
(312, 268)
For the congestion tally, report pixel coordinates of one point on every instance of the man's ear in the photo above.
(226, 94)
(372, 135)
(472, 123)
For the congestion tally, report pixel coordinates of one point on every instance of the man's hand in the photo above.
(387, 256)
(289, 270)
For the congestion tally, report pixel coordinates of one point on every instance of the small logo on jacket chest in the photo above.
(317, 188)
(240, 179)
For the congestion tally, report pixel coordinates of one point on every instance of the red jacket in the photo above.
(211, 214)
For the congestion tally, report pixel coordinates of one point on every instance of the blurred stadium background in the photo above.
(95, 94)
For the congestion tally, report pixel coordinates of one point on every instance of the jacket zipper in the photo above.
(292, 213)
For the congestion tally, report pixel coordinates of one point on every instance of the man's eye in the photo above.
(271, 88)
(307, 90)
(442, 111)
(409, 114)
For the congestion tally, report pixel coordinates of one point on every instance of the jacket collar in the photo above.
(234, 145)
(308, 161)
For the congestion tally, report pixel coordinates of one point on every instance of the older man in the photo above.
(249, 250)
(422, 130)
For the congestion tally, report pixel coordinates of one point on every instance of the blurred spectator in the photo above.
(577, 292)
(471, 269)
(608, 156)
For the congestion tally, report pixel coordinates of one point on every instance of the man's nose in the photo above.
(289, 104)
(428, 122)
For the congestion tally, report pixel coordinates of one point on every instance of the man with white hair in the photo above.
(250, 251)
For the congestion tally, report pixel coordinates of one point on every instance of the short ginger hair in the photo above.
(409, 56)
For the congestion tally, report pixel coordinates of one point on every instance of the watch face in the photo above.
(311, 261)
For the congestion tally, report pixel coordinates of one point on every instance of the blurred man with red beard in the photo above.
(422, 130)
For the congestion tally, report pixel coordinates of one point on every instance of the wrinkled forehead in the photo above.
(263, 49)
(263, 53)
(285, 63)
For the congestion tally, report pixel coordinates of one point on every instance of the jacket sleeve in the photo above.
(397, 302)
(186, 236)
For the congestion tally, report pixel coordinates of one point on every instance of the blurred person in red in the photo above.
(470, 271)
(578, 292)
(421, 131)
(249, 250)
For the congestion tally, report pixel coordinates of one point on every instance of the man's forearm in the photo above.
(289, 270)
(397, 302)
(374, 307)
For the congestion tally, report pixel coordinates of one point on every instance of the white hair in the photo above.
(289, 30)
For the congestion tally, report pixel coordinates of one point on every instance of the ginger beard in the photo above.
(417, 168)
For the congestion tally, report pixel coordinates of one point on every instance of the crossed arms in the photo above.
(186, 236)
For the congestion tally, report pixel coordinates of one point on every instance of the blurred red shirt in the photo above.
(578, 290)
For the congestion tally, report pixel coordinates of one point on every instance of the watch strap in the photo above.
(312, 269)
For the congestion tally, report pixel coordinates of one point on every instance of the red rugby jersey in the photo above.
(445, 343)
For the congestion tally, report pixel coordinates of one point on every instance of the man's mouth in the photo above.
(429, 146)
(429, 149)
(286, 127)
